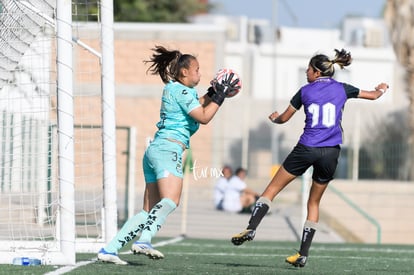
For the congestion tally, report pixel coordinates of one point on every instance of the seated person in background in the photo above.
(238, 198)
(221, 185)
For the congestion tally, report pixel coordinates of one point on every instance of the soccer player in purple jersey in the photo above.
(323, 99)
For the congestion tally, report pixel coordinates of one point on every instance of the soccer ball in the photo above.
(225, 74)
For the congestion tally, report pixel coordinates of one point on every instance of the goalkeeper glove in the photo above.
(219, 95)
(210, 92)
(230, 86)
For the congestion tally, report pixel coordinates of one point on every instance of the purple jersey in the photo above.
(323, 102)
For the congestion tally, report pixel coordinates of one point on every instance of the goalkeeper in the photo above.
(323, 100)
(181, 113)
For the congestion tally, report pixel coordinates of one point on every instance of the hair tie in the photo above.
(333, 61)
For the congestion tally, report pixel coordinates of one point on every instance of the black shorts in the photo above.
(323, 159)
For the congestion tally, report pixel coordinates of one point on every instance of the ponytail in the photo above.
(342, 58)
(326, 66)
(168, 64)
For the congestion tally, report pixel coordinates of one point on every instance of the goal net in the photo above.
(57, 133)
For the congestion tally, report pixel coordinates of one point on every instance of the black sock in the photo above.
(259, 211)
(309, 230)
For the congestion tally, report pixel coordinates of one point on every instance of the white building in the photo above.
(273, 72)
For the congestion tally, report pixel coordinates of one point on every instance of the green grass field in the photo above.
(192, 256)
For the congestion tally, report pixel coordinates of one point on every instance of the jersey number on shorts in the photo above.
(175, 156)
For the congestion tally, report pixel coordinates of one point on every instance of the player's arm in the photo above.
(275, 117)
(210, 104)
(380, 89)
(204, 100)
(203, 114)
(213, 99)
(295, 104)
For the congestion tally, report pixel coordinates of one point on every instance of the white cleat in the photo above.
(110, 257)
(147, 250)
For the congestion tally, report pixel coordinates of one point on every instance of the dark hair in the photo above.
(168, 64)
(227, 166)
(240, 170)
(323, 64)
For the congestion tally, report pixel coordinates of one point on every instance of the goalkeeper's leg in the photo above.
(127, 233)
(164, 181)
(156, 219)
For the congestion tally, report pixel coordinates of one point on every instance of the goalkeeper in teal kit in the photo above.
(323, 100)
(181, 113)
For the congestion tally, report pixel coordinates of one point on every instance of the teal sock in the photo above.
(156, 219)
(128, 232)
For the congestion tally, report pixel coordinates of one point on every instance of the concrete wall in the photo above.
(389, 203)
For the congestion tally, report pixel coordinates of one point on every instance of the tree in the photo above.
(386, 157)
(157, 10)
(399, 16)
(177, 11)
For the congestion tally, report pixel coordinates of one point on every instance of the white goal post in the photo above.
(57, 182)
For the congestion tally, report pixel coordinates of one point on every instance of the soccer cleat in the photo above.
(147, 250)
(110, 257)
(297, 260)
(246, 235)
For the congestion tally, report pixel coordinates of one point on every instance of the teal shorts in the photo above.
(161, 159)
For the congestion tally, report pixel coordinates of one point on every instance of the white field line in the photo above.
(318, 248)
(66, 269)
(69, 268)
(250, 255)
